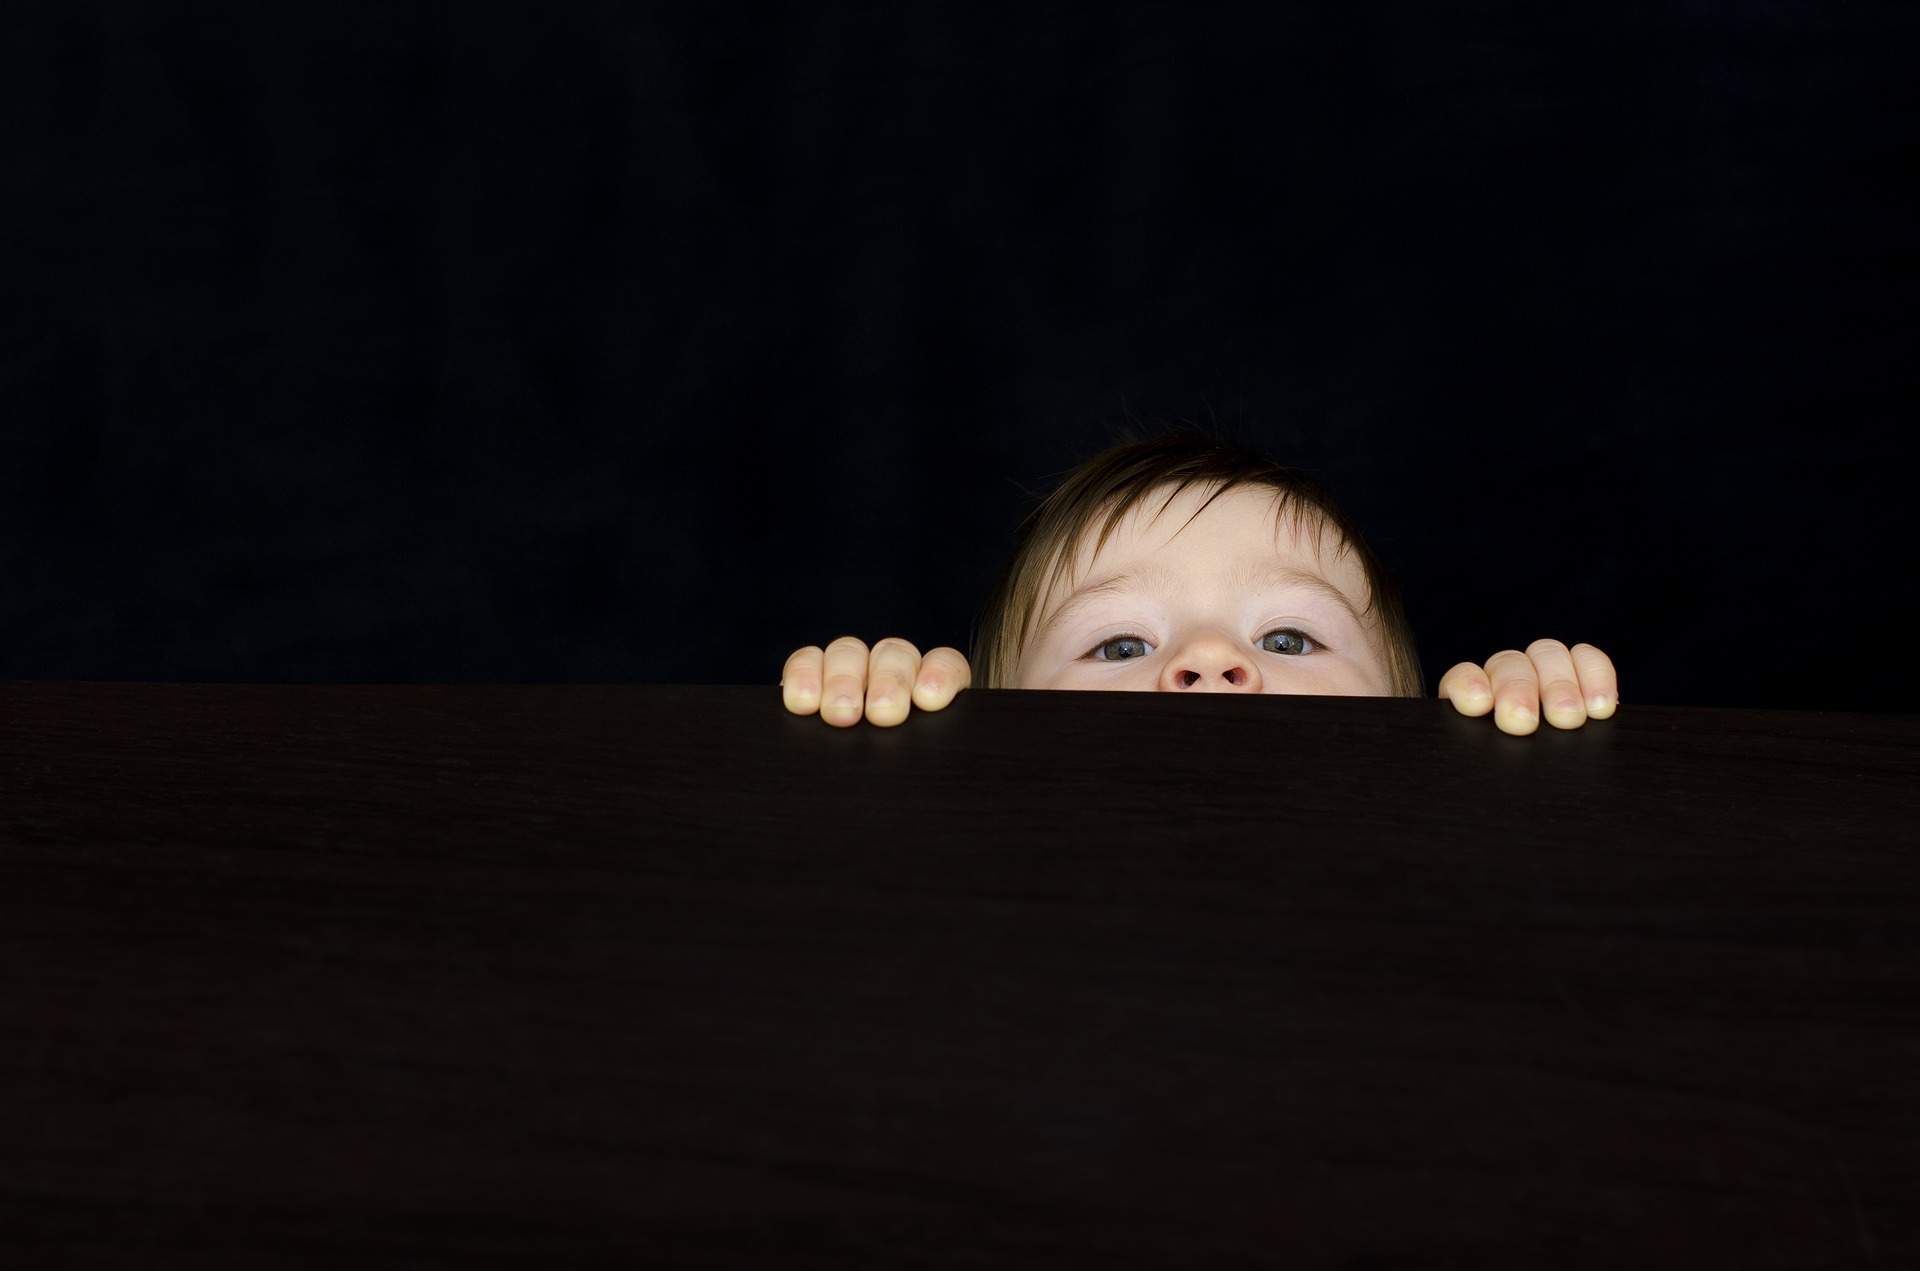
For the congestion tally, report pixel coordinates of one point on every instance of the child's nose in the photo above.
(1211, 664)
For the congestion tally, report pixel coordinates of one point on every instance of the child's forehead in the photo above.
(1233, 530)
(1243, 517)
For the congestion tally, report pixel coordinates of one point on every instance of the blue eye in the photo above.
(1294, 643)
(1300, 640)
(1135, 641)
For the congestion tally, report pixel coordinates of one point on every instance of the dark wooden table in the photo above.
(661, 976)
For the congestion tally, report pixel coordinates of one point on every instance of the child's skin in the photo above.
(1198, 619)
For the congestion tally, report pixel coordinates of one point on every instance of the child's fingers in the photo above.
(843, 680)
(1516, 692)
(1465, 685)
(890, 675)
(800, 680)
(943, 673)
(1559, 699)
(1599, 684)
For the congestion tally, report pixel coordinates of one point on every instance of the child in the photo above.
(1211, 572)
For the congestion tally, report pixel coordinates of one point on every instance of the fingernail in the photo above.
(1597, 702)
(842, 701)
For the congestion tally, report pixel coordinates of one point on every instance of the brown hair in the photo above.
(1119, 478)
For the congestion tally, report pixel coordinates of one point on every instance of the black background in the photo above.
(597, 342)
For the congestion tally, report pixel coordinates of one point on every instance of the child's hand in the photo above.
(1574, 685)
(892, 679)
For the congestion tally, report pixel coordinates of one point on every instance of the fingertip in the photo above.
(887, 711)
(1566, 710)
(1465, 685)
(842, 712)
(1472, 702)
(1517, 721)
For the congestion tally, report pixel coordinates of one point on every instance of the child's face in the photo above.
(1198, 615)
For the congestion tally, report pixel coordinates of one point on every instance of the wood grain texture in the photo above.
(575, 976)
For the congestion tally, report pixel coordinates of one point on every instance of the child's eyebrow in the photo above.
(1264, 574)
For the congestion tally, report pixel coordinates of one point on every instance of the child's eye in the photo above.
(1123, 641)
(1292, 642)
(1298, 644)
